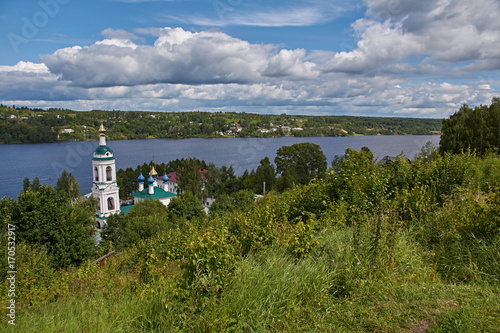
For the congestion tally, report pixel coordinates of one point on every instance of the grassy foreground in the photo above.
(413, 247)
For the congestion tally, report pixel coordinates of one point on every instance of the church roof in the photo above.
(172, 177)
(102, 150)
(159, 193)
(125, 209)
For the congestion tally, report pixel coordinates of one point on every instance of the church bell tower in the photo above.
(104, 186)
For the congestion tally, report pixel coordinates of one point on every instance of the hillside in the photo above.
(23, 125)
(403, 247)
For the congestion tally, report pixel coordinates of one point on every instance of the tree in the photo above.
(265, 173)
(35, 185)
(191, 178)
(187, 206)
(68, 185)
(305, 159)
(49, 219)
(286, 181)
(143, 221)
(26, 184)
(239, 201)
(428, 153)
(476, 129)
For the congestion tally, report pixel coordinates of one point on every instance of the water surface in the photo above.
(47, 161)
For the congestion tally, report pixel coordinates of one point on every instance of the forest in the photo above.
(359, 246)
(24, 125)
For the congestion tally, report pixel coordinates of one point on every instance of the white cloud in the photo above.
(177, 56)
(413, 58)
(26, 67)
(119, 34)
(304, 13)
(290, 63)
(444, 32)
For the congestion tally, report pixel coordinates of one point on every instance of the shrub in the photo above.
(302, 239)
(209, 260)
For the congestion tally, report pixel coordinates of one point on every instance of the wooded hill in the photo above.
(25, 125)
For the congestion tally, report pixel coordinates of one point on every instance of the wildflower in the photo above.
(358, 263)
(333, 261)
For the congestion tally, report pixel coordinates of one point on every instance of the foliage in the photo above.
(302, 239)
(306, 160)
(225, 204)
(358, 180)
(35, 275)
(68, 185)
(475, 129)
(48, 218)
(209, 259)
(265, 174)
(186, 206)
(366, 248)
(36, 125)
(463, 236)
(143, 221)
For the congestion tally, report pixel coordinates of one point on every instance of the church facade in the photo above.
(104, 185)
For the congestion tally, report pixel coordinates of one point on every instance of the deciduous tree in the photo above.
(305, 159)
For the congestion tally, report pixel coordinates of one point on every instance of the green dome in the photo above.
(102, 150)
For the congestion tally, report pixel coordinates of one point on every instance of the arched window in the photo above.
(111, 204)
(108, 174)
(96, 172)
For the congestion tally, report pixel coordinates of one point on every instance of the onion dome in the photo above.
(141, 178)
(103, 150)
(153, 172)
(151, 180)
(165, 178)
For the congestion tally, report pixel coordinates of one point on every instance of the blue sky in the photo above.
(368, 57)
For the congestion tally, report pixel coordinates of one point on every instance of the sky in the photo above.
(391, 58)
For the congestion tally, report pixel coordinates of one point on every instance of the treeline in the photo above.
(293, 165)
(24, 125)
(477, 129)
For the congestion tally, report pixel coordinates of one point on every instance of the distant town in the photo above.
(25, 125)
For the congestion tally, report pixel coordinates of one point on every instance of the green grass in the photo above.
(271, 291)
(351, 269)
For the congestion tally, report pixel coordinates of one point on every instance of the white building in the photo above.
(104, 186)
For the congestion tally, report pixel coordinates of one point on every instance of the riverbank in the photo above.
(24, 125)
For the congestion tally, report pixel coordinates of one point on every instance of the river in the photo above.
(47, 161)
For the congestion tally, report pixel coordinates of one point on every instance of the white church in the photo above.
(106, 190)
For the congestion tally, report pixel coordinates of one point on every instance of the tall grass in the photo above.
(311, 260)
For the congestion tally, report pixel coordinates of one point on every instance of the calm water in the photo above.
(47, 161)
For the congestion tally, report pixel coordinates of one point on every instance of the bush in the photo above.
(209, 260)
